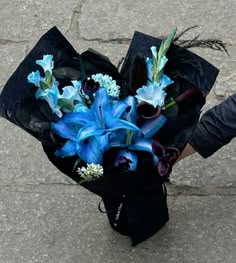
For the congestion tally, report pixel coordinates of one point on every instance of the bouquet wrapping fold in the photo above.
(135, 201)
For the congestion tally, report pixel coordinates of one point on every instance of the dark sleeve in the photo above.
(216, 128)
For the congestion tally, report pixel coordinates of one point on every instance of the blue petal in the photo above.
(149, 68)
(46, 63)
(63, 130)
(118, 108)
(162, 63)
(117, 138)
(141, 144)
(101, 105)
(165, 81)
(154, 51)
(34, 78)
(69, 93)
(80, 107)
(79, 118)
(69, 149)
(152, 126)
(115, 124)
(152, 94)
(91, 129)
(76, 84)
(131, 115)
(90, 152)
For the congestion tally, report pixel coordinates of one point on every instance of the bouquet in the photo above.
(115, 133)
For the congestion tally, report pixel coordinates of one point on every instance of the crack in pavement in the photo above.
(111, 40)
(9, 41)
(172, 190)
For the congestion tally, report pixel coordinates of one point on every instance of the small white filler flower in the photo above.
(91, 172)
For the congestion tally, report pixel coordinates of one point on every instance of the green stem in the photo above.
(172, 103)
(129, 137)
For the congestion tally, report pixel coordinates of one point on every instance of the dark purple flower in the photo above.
(89, 87)
(147, 111)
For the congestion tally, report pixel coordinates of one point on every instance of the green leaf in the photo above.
(76, 164)
(66, 104)
(48, 78)
(165, 45)
(168, 41)
(43, 85)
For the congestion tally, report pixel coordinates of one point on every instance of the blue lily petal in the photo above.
(90, 152)
(150, 127)
(118, 108)
(80, 118)
(131, 115)
(69, 149)
(89, 130)
(113, 125)
(101, 105)
(63, 130)
(46, 63)
(142, 144)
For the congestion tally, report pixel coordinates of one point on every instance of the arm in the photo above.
(216, 128)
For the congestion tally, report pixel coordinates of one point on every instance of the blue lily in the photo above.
(136, 141)
(89, 133)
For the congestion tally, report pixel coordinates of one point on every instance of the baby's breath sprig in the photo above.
(107, 82)
(91, 172)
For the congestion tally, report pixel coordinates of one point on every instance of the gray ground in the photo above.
(44, 216)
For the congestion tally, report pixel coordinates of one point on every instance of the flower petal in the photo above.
(46, 63)
(152, 126)
(149, 68)
(91, 129)
(79, 118)
(165, 81)
(162, 64)
(131, 114)
(34, 78)
(69, 149)
(152, 94)
(116, 124)
(118, 108)
(101, 105)
(63, 130)
(90, 151)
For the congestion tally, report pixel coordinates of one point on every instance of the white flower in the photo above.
(107, 82)
(91, 172)
(154, 93)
